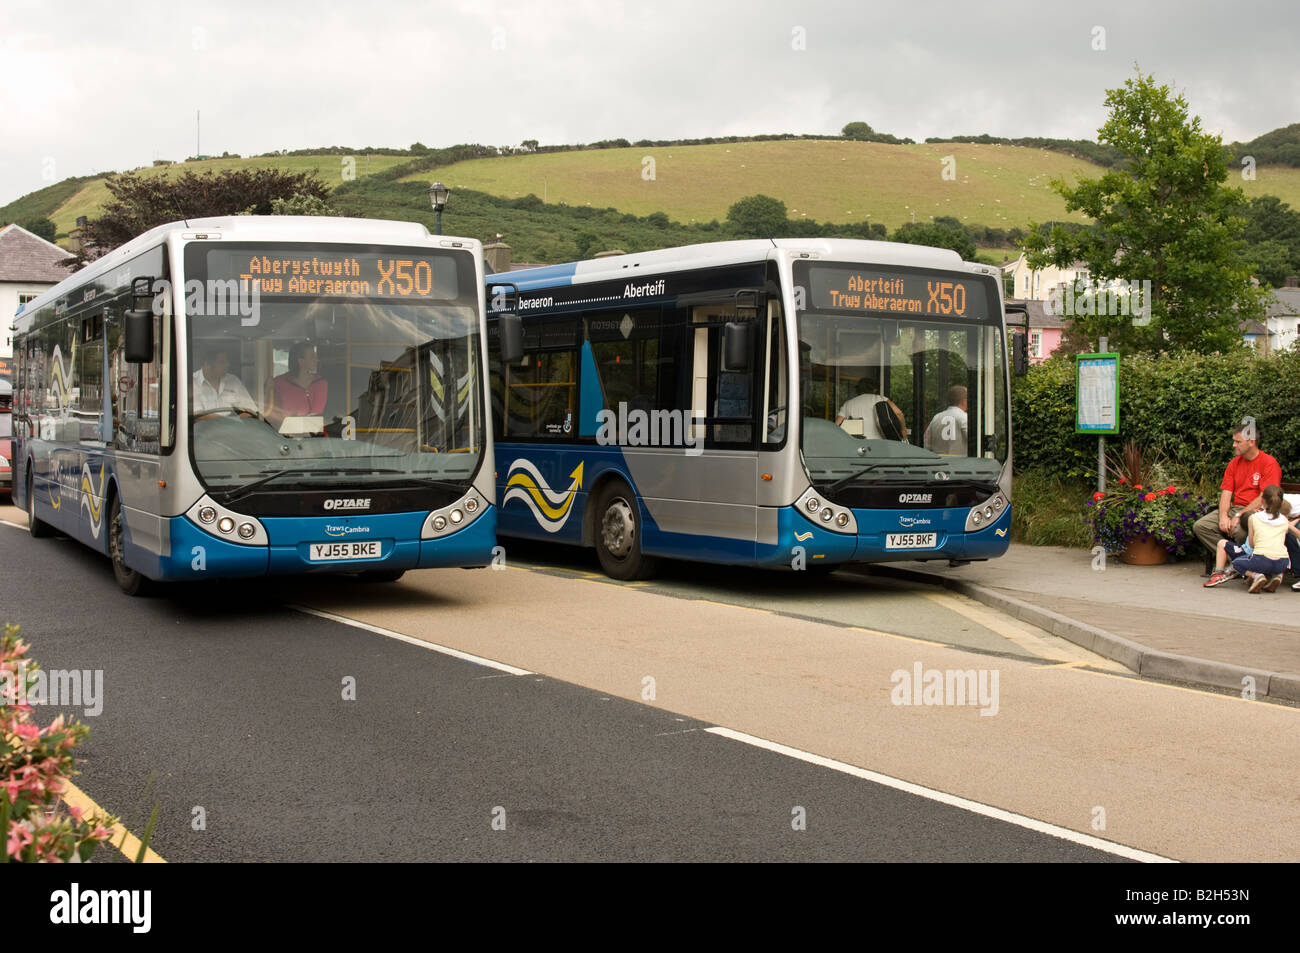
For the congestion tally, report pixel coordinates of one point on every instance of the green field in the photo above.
(90, 198)
(826, 180)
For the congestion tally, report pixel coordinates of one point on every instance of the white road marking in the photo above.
(975, 807)
(14, 525)
(411, 640)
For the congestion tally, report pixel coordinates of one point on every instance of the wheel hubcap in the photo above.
(618, 528)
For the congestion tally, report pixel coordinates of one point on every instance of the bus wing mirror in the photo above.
(139, 323)
(738, 347)
(1020, 357)
(510, 331)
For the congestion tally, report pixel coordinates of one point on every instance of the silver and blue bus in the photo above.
(253, 396)
(797, 403)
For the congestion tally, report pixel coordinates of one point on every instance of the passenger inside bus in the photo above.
(871, 416)
(299, 392)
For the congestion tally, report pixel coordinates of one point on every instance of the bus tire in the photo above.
(618, 534)
(128, 580)
(381, 575)
(38, 528)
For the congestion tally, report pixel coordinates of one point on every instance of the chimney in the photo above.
(497, 256)
(1292, 281)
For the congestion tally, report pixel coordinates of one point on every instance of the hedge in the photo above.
(1184, 405)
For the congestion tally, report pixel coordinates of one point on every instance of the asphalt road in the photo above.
(223, 703)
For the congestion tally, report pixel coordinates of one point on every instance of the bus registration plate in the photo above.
(911, 540)
(324, 552)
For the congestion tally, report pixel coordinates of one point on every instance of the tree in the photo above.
(940, 236)
(140, 203)
(1272, 237)
(1163, 216)
(42, 227)
(296, 204)
(758, 216)
(857, 130)
(529, 145)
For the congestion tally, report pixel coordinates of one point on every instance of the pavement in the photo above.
(1158, 621)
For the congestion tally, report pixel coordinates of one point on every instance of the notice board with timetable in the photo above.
(1096, 390)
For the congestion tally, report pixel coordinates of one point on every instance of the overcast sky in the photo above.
(88, 87)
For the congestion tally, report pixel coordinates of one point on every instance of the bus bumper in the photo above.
(196, 554)
(804, 544)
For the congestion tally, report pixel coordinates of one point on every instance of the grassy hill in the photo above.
(827, 180)
(64, 202)
(597, 198)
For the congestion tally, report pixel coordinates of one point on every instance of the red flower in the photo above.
(1137, 486)
(1149, 497)
(1098, 495)
(1171, 489)
(1122, 480)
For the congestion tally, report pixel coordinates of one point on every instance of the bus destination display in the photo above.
(841, 288)
(328, 274)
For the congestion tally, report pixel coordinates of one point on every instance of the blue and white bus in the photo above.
(787, 403)
(261, 395)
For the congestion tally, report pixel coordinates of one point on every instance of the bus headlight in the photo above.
(471, 505)
(813, 504)
(226, 524)
(207, 514)
(440, 523)
(827, 514)
(456, 516)
(246, 530)
(842, 519)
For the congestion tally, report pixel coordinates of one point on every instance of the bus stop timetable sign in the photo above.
(1096, 388)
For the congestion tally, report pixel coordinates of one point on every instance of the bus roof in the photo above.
(713, 254)
(305, 228)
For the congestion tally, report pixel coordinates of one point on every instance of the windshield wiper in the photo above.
(860, 471)
(240, 492)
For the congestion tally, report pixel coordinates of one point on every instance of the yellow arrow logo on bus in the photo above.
(551, 509)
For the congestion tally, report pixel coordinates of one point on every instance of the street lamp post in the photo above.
(438, 194)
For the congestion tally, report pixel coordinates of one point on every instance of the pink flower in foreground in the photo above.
(19, 837)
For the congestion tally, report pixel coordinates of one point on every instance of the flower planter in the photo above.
(1144, 551)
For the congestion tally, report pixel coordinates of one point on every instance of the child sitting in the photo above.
(1264, 558)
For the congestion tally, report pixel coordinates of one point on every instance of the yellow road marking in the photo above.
(122, 839)
(1018, 633)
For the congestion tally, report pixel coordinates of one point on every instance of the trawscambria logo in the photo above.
(915, 497)
(348, 503)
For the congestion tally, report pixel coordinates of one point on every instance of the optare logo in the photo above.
(348, 503)
(915, 497)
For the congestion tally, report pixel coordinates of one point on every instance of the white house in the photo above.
(28, 265)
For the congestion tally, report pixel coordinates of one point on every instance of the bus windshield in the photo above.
(889, 397)
(380, 384)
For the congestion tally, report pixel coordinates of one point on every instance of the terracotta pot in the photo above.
(1144, 551)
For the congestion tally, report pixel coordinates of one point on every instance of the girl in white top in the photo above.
(1267, 537)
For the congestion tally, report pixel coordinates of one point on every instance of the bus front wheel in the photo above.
(618, 534)
(37, 527)
(131, 582)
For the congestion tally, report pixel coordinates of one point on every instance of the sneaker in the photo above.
(1257, 582)
(1220, 577)
(1273, 583)
(1296, 587)
(1230, 573)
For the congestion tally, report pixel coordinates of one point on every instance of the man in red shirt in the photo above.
(1249, 471)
